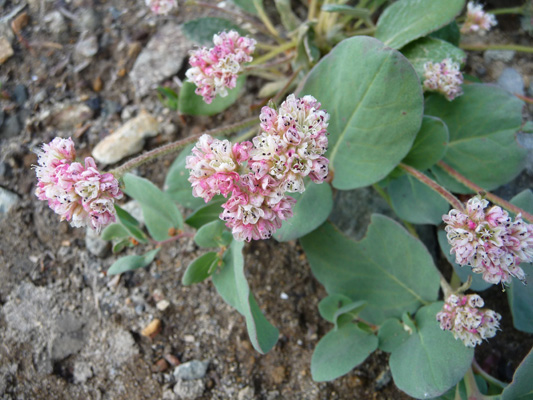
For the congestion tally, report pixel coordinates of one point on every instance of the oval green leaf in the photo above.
(375, 100)
(340, 351)
(190, 103)
(389, 268)
(130, 263)
(201, 30)
(407, 20)
(430, 361)
(430, 144)
(114, 231)
(433, 50)
(211, 235)
(209, 212)
(415, 202)
(312, 209)
(482, 144)
(450, 33)
(200, 268)
(521, 388)
(391, 335)
(159, 211)
(231, 284)
(131, 224)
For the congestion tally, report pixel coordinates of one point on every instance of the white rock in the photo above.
(189, 389)
(7, 200)
(162, 305)
(127, 140)
(191, 370)
(86, 47)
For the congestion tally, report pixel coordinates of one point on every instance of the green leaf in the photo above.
(482, 145)
(211, 235)
(340, 351)
(312, 209)
(246, 5)
(200, 269)
(159, 211)
(389, 268)
(329, 305)
(177, 183)
(433, 50)
(450, 33)
(357, 12)
(521, 388)
(202, 30)
(407, 20)
(168, 97)
(121, 245)
(190, 103)
(391, 335)
(131, 224)
(130, 263)
(521, 296)
(114, 231)
(289, 20)
(415, 202)
(374, 121)
(346, 313)
(430, 361)
(478, 284)
(209, 212)
(231, 284)
(430, 144)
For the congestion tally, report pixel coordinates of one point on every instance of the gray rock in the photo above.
(121, 347)
(189, 389)
(6, 31)
(82, 372)
(87, 47)
(134, 208)
(67, 337)
(127, 140)
(512, 81)
(95, 244)
(88, 20)
(11, 127)
(191, 370)
(498, 55)
(247, 393)
(7, 200)
(525, 140)
(69, 116)
(55, 22)
(40, 96)
(20, 94)
(161, 58)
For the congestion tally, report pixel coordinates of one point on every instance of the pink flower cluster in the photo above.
(489, 241)
(463, 315)
(444, 77)
(161, 7)
(78, 193)
(477, 20)
(215, 70)
(256, 175)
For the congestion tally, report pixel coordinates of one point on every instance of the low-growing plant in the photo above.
(393, 111)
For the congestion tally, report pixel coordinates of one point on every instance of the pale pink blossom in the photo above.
(161, 6)
(464, 316)
(489, 241)
(79, 193)
(444, 77)
(477, 20)
(215, 70)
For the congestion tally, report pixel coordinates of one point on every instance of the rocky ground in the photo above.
(84, 69)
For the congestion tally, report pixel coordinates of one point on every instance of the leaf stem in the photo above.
(489, 378)
(482, 47)
(177, 145)
(509, 10)
(273, 53)
(265, 20)
(450, 198)
(472, 391)
(172, 238)
(478, 189)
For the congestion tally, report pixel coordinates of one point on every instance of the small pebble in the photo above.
(160, 366)
(284, 296)
(189, 338)
(162, 305)
(191, 370)
(152, 329)
(512, 81)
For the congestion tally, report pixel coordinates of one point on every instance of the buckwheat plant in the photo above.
(349, 97)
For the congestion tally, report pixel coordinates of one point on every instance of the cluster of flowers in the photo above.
(489, 241)
(78, 193)
(161, 6)
(463, 315)
(257, 174)
(477, 20)
(215, 70)
(444, 77)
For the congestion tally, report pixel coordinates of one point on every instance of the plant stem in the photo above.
(489, 378)
(472, 391)
(312, 10)
(524, 98)
(510, 10)
(450, 198)
(282, 91)
(271, 54)
(172, 238)
(482, 47)
(265, 20)
(178, 145)
(492, 197)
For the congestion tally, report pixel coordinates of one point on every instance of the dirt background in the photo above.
(68, 331)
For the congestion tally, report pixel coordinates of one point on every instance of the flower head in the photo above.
(78, 193)
(477, 20)
(161, 6)
(489, 241)
(444, 77)
(463, 315)
(215, 70)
